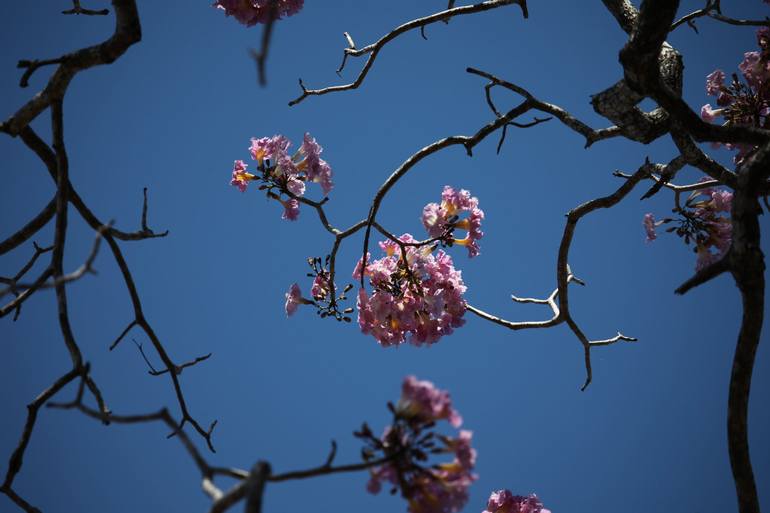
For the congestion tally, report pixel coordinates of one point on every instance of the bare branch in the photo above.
(37, 145)
(177, 369)
(260, 57)
(77, 10)
(14, 286)
(44, 152)
(712, 10)
(29, 229)
(564, 276)
(667, 173)
(18, 500)
(32, 66)
(374, 49)
(562, 115)
(23, 296)
(127, 32)
(747, 264)
(522, 325)
(122, 334)
(469, 142)
(704, 275)
(17, 457)
(255, 487)
(85, 268)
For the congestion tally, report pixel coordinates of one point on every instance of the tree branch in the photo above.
(374, 49)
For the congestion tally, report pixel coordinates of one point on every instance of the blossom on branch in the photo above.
(714, 82)
(408, 444)
(744, 103)
(441, 220)
(327, 298)
(283, 176)
(317, 168)
(241, 177)
(415, 294)
(251, 12)
(504, 501)
(293, 299)
(702, 222)
(421, 400)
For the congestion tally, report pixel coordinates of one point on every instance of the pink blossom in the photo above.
(408, 444)
(318, 170)
(717, 229)
(714, 82)
(415, 295)
(386, 473)
(251, 12)
(295, 186)
(464, 453)
(440, 488)
(704, 258)
(753, 69)
(443, 490)
(763, 37)
(503, 501)
(423, 401)
(268, 147)
(320, 287)
(441, 220)
(324, 177)
(293, 299)
(290, 209)
(708, 114)
(283, 174)
(649, 227)
(240, 177)
(723, 200)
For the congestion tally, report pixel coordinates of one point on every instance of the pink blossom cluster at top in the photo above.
(415, 294)
(438, 488)
(284, 174)
(441, 220)
(702, 222)
(251, 12)
(738, 103)
(504, 501)
(422, 400)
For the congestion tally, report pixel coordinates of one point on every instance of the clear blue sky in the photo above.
(172, 114)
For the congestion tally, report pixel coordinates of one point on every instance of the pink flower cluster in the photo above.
(278, 171)
(703, 222)
(423, 401)
(719, 230)
(325, 297)
(440, 220)
(743, 104)
(415, 294)
(251, 12)
(504, 501)
(439, 488)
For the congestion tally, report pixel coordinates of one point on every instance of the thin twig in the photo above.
(77, 10)
(374, 49)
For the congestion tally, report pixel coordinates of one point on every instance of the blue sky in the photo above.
(174, 112)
